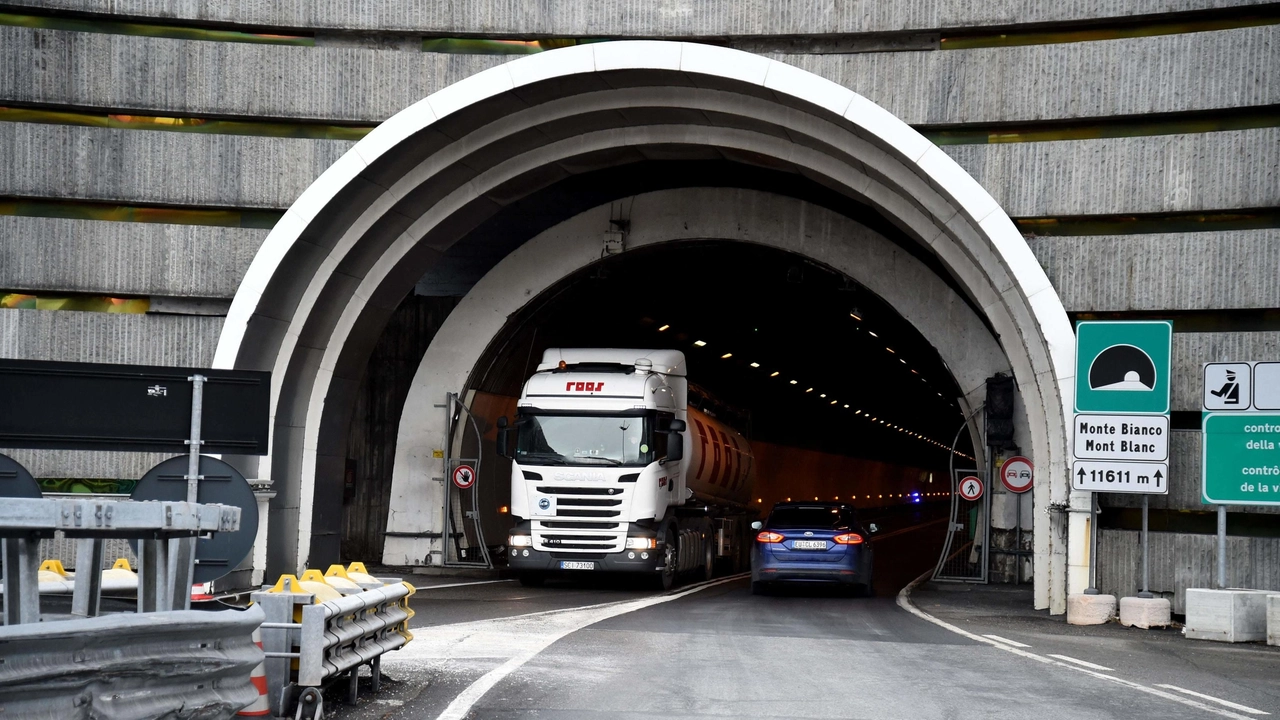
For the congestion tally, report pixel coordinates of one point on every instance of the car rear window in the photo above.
(817, 517)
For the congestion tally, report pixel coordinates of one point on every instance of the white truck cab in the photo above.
(600, 462)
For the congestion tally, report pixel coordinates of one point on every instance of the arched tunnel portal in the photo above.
(797, 165)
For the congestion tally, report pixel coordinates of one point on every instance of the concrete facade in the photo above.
(1225, 275)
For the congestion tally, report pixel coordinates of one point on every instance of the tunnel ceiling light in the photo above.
(833, 402)
(726, 356)
(913, 372)
(793, 382)
(855, 313)
(774, 374)
(872, 334)
(904, 362)
(699, 343)
(846, 407)
(891, 350)
(857, 412)
(664, 328)
(755, 365)
(809, 390)
(822, 395)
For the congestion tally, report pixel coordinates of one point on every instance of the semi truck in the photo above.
(614, 470)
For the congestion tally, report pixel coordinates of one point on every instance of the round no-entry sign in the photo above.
(464, 476)
(971, 487)
(1017, 473)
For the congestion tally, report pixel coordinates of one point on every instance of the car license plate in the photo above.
(576, 565)
(809, 545)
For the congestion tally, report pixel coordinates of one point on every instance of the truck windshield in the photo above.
(584, 440)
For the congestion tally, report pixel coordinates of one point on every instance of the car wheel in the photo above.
(532, 579)
(759, 588)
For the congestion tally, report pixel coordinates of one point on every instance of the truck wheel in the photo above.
(709, 568)
(532, 579)
(670, 563)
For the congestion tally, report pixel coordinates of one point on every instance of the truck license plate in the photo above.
(576, 565)
(809, 545)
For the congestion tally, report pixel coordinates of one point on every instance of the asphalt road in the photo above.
(589, 650)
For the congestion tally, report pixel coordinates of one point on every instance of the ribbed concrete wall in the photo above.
(1164, 271)
(1122, 175)
(1191, 350)
(160, 167)
(613, 18)
(124, 258)
(1171, 73)
(177, 340)
(1162, 173)
(1182, 560)
(86, 463)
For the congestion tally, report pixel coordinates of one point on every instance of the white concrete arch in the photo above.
(335, 266)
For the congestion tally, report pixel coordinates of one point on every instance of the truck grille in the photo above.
(591, 514)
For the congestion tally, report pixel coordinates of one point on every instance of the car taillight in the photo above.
(769, 537)
(848, 539)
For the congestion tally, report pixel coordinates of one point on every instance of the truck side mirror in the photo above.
(675, 446)
(678, 426)
(503, 431)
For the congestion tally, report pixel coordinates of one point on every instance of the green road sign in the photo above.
(1123, 367)
(1241, 463)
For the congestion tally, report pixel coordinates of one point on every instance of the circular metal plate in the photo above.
(16, 481)
(221, 484)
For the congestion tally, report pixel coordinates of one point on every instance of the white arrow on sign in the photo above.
(1120, 477)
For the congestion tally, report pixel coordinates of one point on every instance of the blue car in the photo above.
(812, 542)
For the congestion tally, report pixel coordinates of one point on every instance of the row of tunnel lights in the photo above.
(912, 495)
(867, 416)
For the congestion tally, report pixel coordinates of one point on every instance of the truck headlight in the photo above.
(641, 543)
(520, 541)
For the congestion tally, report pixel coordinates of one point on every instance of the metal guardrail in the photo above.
(165, 531)
(327, 639)
(130, 666)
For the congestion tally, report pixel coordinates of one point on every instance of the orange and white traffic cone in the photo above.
(259, 707)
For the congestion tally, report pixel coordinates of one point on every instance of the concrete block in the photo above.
(1231, 615)
(1090, 609)
(1145, 613)
(1273, 620)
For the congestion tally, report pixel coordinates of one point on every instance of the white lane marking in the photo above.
(1006, 641)
(1220, 701)
(904, 602)
(453, 585)
(589, 615)
(1082, 663)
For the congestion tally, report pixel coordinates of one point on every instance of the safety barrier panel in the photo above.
(165, 532)
(327, 638)
(130, 666)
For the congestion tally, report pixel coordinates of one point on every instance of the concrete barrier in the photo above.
(1085, 609)
(1232, 615)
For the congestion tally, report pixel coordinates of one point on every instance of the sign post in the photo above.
(1240, 441)
(1122, 418)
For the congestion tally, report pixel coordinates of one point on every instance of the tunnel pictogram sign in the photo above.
(1123, 367)
(971, 487)
(464, 476)
(1017, 474)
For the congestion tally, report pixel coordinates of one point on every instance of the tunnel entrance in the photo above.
(840, 397)
(324, 284)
